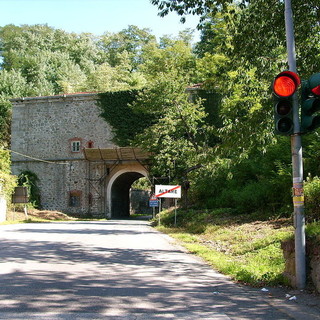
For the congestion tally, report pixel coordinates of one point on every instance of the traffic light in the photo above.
(310, 103)
(284, 86)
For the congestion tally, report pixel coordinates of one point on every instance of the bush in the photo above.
(313, 229)
(251, 197)
(29, 179)
(312, 196)
(7, 185)
(7, 181)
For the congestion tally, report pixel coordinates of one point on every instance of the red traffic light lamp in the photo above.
(284, 86)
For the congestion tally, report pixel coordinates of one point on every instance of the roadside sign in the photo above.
(167, 191)
(20, 195)
(153, 201)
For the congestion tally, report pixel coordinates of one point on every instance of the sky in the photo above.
(93, 16)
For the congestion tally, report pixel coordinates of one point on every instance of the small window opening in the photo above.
(75, 146)
(74, 198)
(90, 199)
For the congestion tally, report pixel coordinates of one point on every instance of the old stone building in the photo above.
(65, 142)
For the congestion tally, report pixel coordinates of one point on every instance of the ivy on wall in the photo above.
(126, 122)
(30, 180)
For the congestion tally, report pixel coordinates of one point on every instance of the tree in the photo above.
(241, 72)
(172, 55)
(50, 60)
(117, 78)
(263, 20)
(194, 7)
(12, 84)
(130, 41)
(178, 134)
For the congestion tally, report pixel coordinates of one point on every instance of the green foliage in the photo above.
(185, 7)
(248, 251)
(30, 180)
(125, 121)
(173, 58)
(312, 196)
(262, 183)
(142, 184)
(117, 78)
(130, 41)
(178, 139)
(7, 181)
(313, 230)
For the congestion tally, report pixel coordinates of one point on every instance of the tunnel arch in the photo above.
(118, 191)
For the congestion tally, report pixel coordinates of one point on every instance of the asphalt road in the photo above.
(117, 269)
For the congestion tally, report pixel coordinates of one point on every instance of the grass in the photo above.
(247, 251)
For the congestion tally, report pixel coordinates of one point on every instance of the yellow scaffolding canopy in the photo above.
(116, 154)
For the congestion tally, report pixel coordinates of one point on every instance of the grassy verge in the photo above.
(246, 249)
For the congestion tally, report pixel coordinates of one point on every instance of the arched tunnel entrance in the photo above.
(120, 197)
(111, 173)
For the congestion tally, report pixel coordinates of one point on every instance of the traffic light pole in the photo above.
(297, 165)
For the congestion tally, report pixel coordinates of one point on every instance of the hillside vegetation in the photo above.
(204, 110)
(247, 248)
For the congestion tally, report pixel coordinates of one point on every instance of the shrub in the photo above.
(7, 181)
(29, 179)
(312, 196)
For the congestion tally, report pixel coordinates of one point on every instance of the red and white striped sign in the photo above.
(163, 191)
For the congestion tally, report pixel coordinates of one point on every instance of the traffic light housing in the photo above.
(310, 103)
(284, 87)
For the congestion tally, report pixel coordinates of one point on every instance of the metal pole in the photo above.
(159, 211)
(297, 166)
(175, 212)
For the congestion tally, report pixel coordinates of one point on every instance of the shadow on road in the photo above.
(63, 274)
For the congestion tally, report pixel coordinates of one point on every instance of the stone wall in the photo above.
(45, 134)
(313, 261)
(45, 127)
(313, 252)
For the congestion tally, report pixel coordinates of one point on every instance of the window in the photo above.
(74, 198)
(75, 146)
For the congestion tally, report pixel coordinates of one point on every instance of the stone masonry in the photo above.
(48, 136)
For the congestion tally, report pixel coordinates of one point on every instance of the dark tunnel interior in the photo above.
(120, 198)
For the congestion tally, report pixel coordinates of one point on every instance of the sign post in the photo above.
(297, 165)
(20, 195)
(168, 191)
(153, 203)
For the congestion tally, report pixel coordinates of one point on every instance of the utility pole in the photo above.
(297, 165)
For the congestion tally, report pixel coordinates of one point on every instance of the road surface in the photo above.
(117, 269)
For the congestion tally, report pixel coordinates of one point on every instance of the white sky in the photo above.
(94, 16)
